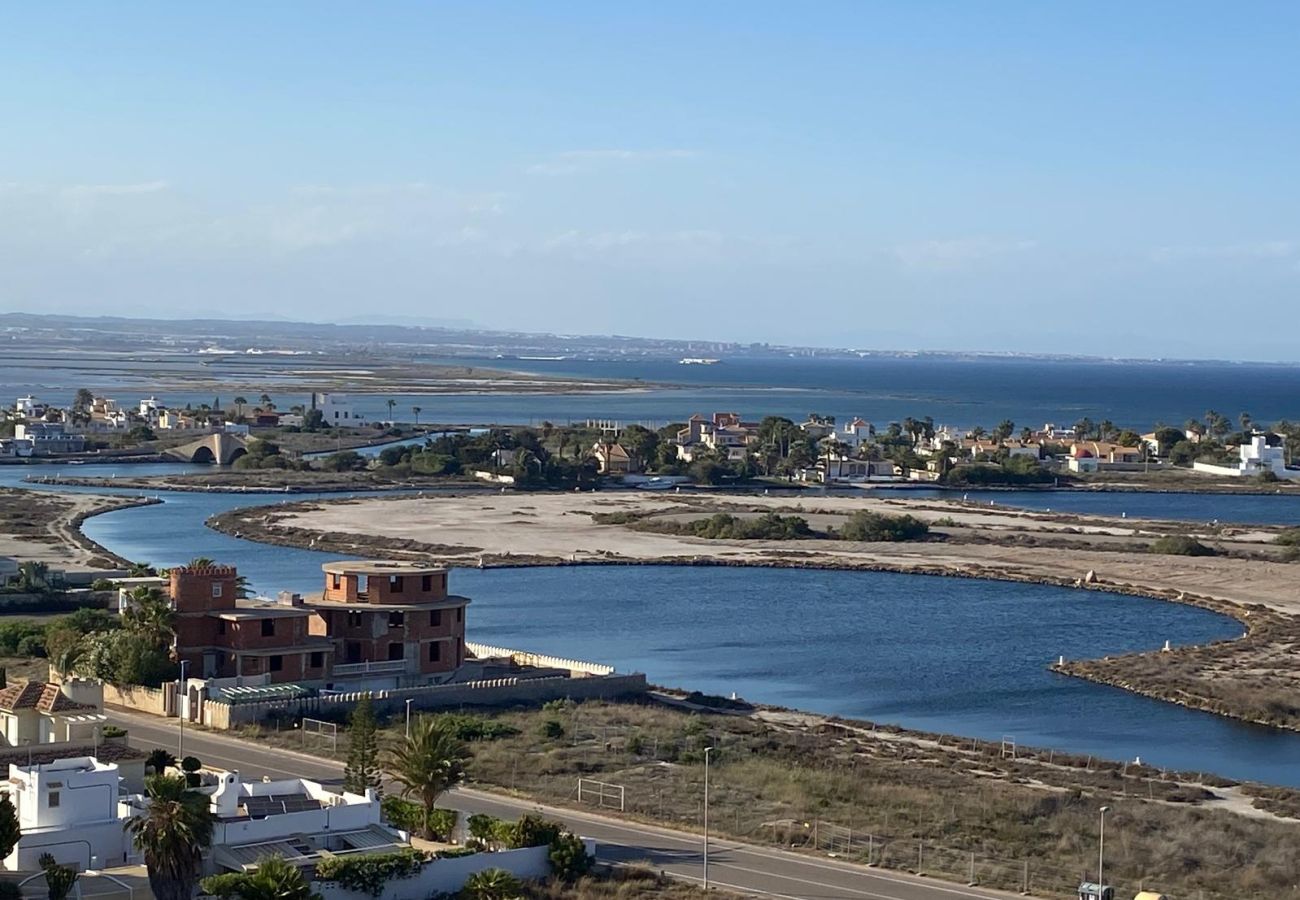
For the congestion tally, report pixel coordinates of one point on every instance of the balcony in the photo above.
(384, 667)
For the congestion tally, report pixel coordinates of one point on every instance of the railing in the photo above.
(387, 666)
(539, 660)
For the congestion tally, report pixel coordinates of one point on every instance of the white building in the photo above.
(72, 809)
(1256, 458)
(856, 433)
(296, 819)
(49, 438)
(38, 712)
(30, 407)
(336, 409)
(151, 408)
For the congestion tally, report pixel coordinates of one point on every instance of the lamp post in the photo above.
(1101, 854)
(707, 751)
(408, 717)
(180, 711)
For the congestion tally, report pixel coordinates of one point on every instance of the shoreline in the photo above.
(1265, 629)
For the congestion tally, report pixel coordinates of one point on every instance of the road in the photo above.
(739, 867)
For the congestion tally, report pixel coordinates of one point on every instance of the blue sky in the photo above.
(1109, 178)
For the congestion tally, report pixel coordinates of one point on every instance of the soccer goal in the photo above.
(601, 793)
(318, 729)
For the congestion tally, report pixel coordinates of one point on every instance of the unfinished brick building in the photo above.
(389, 617)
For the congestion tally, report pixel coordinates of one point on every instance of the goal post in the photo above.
(601, 793)
(321, 729)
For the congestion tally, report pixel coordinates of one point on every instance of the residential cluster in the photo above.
(820, 450)
(41, 429)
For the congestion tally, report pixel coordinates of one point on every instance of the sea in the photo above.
(960, 392)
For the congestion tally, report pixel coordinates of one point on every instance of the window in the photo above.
(396, 650)
(354, 620)
(460, 614)
(221, 626)
(435, 651)
(336, 582)
(53, 799)
(426, 583)
(395, 584)
(435, 617)
(317, 659)
(396, 619)
(216, 589)
(277, 663)
(268, 628)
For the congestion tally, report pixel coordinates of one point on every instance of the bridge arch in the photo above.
(204, 455)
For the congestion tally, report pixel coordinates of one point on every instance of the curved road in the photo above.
(742, 868)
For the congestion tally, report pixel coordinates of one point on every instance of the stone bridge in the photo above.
(216, 449)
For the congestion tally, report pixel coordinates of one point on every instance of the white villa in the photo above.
(1256, 458)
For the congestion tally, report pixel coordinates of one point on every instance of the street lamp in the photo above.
(180, 711)
(707, 751)
(408, 717)
(1101, 854)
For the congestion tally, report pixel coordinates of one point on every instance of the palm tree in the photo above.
(427, 762)
(416, 411)
(172, 834)
(240, 403)
(150, 616)
(391, 404)
(492, 884)
(273, 879)
(265, 400)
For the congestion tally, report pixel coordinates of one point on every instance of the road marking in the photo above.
(633, 829)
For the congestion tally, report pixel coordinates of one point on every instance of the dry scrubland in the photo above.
(39, 526)
(1253, 679)
(884, 796)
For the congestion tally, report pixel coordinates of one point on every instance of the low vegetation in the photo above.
(873, 793)
(1181, 545)
(772, 526)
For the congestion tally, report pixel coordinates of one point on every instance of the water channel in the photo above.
(955, 655)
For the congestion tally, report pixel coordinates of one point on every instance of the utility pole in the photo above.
(707, 751)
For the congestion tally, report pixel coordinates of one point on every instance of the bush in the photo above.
(468, 727)
(869, 526)
(1181, 545)
(529, 831)
(569, 858)
(551, 728)
(103, 584)
(346, 461)
(370, 872)
(113, 731)
(769, 526)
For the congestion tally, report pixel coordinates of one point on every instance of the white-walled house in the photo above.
(856, 433)
(335, 409)
(41, 713)
(297, 819)
(1256, 458)
(72, 809)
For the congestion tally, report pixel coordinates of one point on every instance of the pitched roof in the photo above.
(40, 696)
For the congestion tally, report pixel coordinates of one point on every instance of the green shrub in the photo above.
(569, 858)
(370, 872)
(1181, 545)
(551, 728)
(869, 526)
(103, 584)
(469, 727)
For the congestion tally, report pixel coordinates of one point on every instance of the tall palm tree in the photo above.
(391, 403)
(240, 403)
(150, 617)
(416, 411)
(427, 763)
(172, 834)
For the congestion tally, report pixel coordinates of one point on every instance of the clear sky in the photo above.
(1104, 177)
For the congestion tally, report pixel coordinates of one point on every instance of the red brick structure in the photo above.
(389, 617)
(222, 636)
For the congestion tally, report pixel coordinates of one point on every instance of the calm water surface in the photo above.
(954, 655)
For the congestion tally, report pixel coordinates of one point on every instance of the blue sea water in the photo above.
(958, 392)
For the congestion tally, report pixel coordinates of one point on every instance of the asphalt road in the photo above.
(743, 868)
